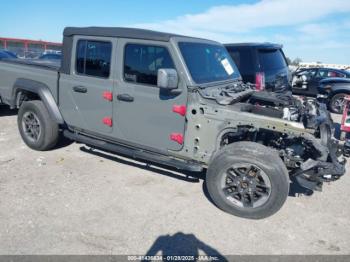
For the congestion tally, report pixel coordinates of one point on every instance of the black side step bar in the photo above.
(134, 153)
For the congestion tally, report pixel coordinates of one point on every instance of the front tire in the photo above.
(36, 127)
(248, 180)
(337, 103)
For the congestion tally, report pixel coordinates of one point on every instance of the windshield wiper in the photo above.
(223, 82)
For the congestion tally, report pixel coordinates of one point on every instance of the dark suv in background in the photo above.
(333, 85)
(307, 81)
(263, 64)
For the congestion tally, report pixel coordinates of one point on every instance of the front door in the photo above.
(315, 82)
(144, 114)
(307, 87)
(86, 94)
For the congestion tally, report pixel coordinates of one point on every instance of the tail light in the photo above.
(260, 81)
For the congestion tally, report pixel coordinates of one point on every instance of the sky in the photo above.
(314, 30)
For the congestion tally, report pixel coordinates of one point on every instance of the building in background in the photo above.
(25, 48)
(318, 64)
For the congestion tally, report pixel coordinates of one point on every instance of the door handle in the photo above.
(80, 89)
(125, 97)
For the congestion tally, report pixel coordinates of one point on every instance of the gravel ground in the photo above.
(68, 201)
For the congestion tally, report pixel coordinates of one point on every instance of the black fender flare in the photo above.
(340, 90)
(43, 91)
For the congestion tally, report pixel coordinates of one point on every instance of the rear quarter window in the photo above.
(271, 59)
(332, 73)
(93, 58)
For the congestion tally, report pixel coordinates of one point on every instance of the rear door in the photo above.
(142, 112)
(85, 94)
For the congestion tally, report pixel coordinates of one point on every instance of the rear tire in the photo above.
(36, 127)
(248, 180)
(336, 104)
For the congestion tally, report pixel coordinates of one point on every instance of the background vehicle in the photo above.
(332, 83)
(263, 64)
(307, 80)
(333, 91)
(147, 95)
(50, 57)
(6, 54)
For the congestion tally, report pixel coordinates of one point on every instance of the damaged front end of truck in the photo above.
(299, 129)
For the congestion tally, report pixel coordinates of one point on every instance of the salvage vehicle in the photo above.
(263, 64)
(332, 85)
(176, 101)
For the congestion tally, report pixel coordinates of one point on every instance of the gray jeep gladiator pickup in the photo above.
(176, 101)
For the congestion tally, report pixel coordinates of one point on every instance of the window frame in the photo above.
(148, 45)
(340, 75)
(308, 72)
(76, 53)
(208, 42)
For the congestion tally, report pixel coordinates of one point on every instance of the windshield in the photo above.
(208, 62)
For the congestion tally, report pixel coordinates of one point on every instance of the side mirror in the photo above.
(167, 78)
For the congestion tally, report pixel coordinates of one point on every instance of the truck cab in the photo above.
(110, 78)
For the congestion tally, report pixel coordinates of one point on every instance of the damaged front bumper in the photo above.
(312, 173)
(330, 166)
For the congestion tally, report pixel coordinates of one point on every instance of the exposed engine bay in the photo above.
(272, 104)
(312, 157)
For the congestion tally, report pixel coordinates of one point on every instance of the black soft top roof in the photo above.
(124, 32)
(119, 32)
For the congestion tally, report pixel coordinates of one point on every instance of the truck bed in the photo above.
(45, 64)
(13, 69)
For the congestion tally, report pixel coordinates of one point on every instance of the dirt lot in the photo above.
(68, 201)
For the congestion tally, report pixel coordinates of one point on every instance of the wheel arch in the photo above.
(341, 89)
(34, 89)
(220, 137)
(242, 133)
(235, 131)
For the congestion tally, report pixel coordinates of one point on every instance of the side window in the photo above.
(322, 73)
(93, 58)
(243, 59)
(312, 73)
(80, 57)
(141, 63)
(329, 73)
(332, 73)
(309, 73)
